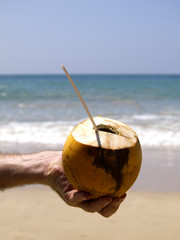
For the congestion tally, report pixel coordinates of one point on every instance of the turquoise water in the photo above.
(44, 108)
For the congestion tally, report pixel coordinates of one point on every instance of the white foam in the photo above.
(151, 133)
(156, 130)
(158, 137)
(145, 117)
(36, 132)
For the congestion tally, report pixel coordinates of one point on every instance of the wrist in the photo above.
(33, 168)
(43, 167)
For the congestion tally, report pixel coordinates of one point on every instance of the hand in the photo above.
(106, 206)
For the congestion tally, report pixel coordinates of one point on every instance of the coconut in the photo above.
(103, 162)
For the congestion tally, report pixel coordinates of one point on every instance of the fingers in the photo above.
(75, 198)
(105, 206)
(95, 205)
(112, 207)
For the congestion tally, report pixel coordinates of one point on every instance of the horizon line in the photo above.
(57, 74)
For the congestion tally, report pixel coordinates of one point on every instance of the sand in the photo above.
(150, 212)
(38, 213)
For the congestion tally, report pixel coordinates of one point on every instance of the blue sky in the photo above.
(89, 36)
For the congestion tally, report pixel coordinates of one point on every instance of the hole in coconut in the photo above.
(106, 128)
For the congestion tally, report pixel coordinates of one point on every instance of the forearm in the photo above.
(18, 170)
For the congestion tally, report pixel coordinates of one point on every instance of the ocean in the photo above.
(43, 109)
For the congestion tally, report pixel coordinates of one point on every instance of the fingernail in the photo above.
(123, 196)
(121, 199)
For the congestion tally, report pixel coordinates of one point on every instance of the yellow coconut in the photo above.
(103, 162)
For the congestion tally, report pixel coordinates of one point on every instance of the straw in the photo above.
(79, 95)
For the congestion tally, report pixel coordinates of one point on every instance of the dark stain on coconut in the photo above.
(112, 161)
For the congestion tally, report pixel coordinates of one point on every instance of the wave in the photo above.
(157, 137)
(35, 132)
(152, 131)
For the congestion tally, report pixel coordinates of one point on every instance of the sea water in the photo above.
(43, 109)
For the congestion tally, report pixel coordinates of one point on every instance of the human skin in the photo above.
(46, 168)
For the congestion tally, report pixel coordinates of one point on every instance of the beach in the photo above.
(38, 113)
(151, 210)
(38, 213)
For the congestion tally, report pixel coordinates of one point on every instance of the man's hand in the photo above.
(46, 168)
(106, 206)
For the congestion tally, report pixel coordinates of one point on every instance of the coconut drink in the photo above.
(102, 162)
(101, 156)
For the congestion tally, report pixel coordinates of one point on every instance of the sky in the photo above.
(90, 36)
